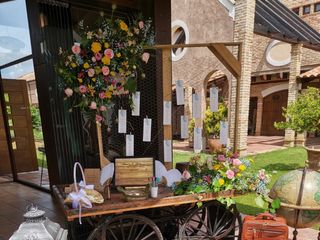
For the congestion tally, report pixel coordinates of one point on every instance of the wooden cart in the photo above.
(165, 217)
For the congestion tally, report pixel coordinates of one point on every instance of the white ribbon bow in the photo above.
(83, 185)
(79, 200)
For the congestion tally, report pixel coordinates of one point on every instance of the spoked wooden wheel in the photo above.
(219, 223)
(174, 217)
(127, 227)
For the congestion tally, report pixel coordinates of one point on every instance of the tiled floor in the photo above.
(14, 200)
(35, 177)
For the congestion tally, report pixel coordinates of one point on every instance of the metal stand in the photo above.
(43, 151)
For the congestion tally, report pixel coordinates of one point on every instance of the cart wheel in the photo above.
(174, 217)
(219, 223)
(127, 227)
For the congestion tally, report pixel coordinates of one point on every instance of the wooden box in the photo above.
(133, 171)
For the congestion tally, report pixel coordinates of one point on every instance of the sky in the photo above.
(14, 38)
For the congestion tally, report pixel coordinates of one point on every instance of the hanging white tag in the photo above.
(122, 121)
(184, 127)
(136, 104)
(129, 145)
(167, 112)
(224, 132)
(196, 106)
(214, 99)
(167, 148)
(197, 141)
(179, 92)
(147, 129)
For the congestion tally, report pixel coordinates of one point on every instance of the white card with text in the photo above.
(147, 129)
(129, 145)
(196, 106)
(136, 104)
(122, 121)
(224, 132)
(179, 92)
(167, 105)
(214, 99)
(197, 145)
(184, 127)
(167, 148)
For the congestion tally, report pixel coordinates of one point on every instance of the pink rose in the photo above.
(99, 118)
(236, 162)
(76, 48)
(105, 70)
(262, 174)
(141, 24)
(93, 59)
(91, 72)
(93, 105)
(68, 92)
(83, 89)
(221, 158)
(145, 57)
(102, 95)
(186, 175)
(98, 56)
(103, 108)
(230, 174)
(109, 53)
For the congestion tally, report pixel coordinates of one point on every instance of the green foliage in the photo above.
(303, 115)
(192, 124)
(35, 117)
(212, 120)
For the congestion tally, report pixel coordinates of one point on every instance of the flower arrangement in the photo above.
(105, 64)
(222, 172)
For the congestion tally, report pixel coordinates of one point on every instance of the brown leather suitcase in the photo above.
(264, 227)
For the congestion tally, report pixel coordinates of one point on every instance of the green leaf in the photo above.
(276, 203)
(199, 204)
(260, 201)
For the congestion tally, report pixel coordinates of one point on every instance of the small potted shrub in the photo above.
(211, 126)
(303, 116)
(191, 127)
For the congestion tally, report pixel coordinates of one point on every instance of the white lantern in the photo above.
(37, 226)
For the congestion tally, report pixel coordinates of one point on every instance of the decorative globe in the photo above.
(287, 189)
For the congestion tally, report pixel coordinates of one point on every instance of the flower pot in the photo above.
(214, 144)
(313, 160)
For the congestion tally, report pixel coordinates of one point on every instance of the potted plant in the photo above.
(211, 126)
(303, 116)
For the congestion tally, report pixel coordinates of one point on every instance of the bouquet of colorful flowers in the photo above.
(222, 172)
(106, 63)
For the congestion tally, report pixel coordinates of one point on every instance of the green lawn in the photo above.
(276, 163)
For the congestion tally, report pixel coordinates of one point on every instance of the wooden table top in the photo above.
(117, 204)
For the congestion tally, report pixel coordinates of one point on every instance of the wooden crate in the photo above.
(133, 171)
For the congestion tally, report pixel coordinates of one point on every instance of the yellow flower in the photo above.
(106, 60)
(112, 73)
(106, 45)
(86, 65)
(94, 79)
(97, 70)
(216, 167)
(95, 47)
(221, 181)
(73, 65)
(242, 167)
(123, 26)
(118, 55)
(238, 174)
(108, 94)
(111, 88)
(80, 80)
(91, 90)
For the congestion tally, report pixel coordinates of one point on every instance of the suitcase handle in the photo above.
(265, 216)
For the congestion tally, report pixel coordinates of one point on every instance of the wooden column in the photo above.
(167, 92)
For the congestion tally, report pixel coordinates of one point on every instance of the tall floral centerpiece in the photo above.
(104, 65)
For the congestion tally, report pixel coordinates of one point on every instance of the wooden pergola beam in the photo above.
(226, 58)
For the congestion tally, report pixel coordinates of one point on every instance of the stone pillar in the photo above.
(301, 139)
(244, 25)
(259, 116)
(295, 68)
